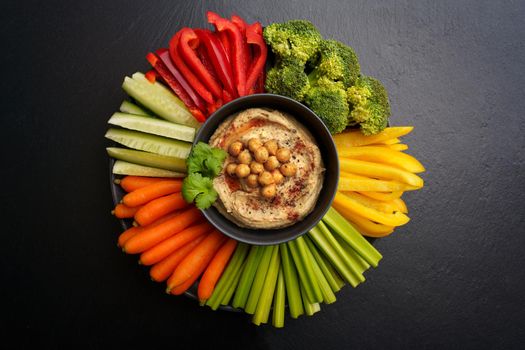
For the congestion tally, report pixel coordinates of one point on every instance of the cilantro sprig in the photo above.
(204, 163)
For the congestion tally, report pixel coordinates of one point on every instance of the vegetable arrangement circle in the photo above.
(261, 169)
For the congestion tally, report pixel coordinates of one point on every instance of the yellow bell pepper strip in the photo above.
(383, 196)
(382, 155)
(384, 207)
(398, 147)
(353, 182)
(380, 171)
(356, 138)
(365, 226)
(389, 141)
(400, 205)
(396, 219)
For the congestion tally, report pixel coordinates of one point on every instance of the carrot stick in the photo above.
(195, 263)
(132, 183)
(159, 207)
(183, 287)
(214, 270)
(126, 235)
(152, 236)
(122, 211)
(164, 268)
(165, 248)
(150, 192)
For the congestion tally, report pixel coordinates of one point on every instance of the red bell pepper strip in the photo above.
(226, 97)
(239, 54)
(185, 70)
(189, 41)
(243, 26)
(206, 62)
(179, 86)
(218, 58)
(152, 75)
(254, 38)
(223, 37)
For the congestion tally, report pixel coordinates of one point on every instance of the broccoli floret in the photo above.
(337, 62)
(296, 39)
(288, 80)
(370, 106)
(328, 100)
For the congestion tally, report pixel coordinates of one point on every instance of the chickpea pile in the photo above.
(261, 164)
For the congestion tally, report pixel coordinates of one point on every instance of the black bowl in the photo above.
(328, 153)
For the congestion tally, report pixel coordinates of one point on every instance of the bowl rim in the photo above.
(319, 213)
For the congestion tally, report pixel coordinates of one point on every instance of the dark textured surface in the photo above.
(452, 278)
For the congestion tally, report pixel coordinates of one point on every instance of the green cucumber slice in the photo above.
(147, 159)
(150, 143)
(159, 100)
(131, 108)
(124, 168)
(153, 126)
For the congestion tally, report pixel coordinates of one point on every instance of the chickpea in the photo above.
(230, 169)
(235, 148)
(269, 191)
(277, 176)
(261, 154)
(254, 144)
(271, 146)
(271, 163)
(242, 171)
(252, 181)
(265, 178)
(283, 155)
(288, 169)
(256, 167)
(245, 157)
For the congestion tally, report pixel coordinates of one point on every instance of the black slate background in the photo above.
(451, 278)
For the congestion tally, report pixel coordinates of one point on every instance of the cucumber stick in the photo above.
(153, 126)
(150, 143)
(124, 168)
(158, 99)
(131, 108)
(148, 159)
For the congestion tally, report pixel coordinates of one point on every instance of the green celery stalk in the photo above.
(309, 307)
(326, 291)
(356, 259)
(358, 276)
(304, 267)
(279, 301)
(339, 224)
(293, 292)
(339, 281)
(233, 286)
(258, 282)
(262, 311)
(248, 274)
(334, 285)
(228, 276)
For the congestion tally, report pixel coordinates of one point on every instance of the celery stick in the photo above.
(248, 274)
(334, 285)
(356, 259)
(291, 280)
(320, 239)
(262, 311)
(339, 224)
(305, 269)
(235, 282)
(339, 281)
(228, 276)
(279, 301)
(326, 291)
(258, 282)
(131, 108)
(309, 307)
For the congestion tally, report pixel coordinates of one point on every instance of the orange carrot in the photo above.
(196, 262)
(165, 248)
(150, 192)
(122, 211)
(214, 270)
(183, 287)
(164, 268)
(152, 236)
(159, 207)
(132, 183)
(126, 235)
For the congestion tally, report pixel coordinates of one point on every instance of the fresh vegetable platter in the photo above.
(161, 181)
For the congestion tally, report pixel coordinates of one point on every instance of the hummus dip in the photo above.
(295, 197)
